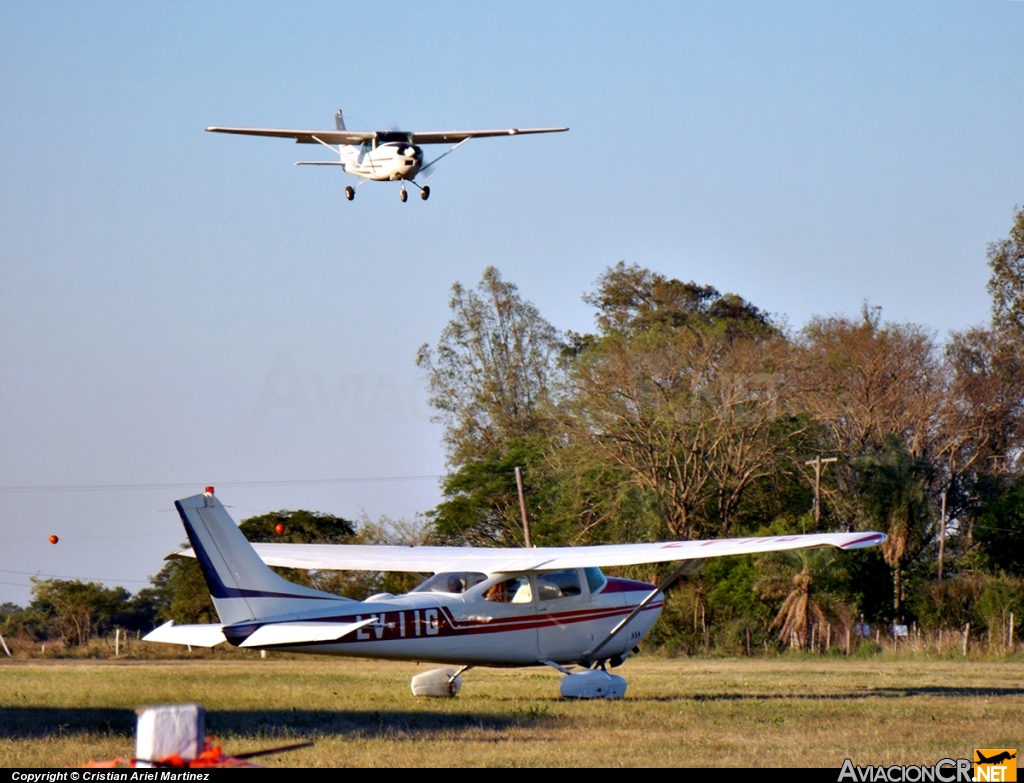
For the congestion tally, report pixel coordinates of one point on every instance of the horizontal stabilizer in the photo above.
(301, 633)
(319, 163)
(194, 635)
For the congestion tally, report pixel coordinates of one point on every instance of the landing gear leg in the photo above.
(424, 189)
(350, 192)
(402, 194)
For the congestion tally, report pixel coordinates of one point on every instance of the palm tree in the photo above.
(894, 496)
(804, 599)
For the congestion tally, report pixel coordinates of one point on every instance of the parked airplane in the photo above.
(482, 607)
(381, 155)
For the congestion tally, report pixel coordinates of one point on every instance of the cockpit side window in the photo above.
(516, 590)
(558, 584)
(451, 582)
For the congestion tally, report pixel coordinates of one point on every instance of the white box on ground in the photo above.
(169, 730)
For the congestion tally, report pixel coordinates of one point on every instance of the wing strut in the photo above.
(678, 571)
(449, 152)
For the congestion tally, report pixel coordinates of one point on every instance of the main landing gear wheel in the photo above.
(425, 192)
(403, 195)
(350, 192)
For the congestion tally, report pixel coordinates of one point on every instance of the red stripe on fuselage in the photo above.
(415, 623)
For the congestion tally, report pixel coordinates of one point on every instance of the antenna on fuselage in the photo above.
(522, 508)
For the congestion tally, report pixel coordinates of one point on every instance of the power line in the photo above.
(181, 485)
(64, 576)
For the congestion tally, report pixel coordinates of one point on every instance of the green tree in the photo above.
(631, 299)
(76, 609)
(181, 593)
(1000, 530)
(894, 496)
(299, 527)
(1006, 285)
(490, 380)
(490, 374)
(681, 397)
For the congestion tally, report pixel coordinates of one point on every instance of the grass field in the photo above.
(779, 712)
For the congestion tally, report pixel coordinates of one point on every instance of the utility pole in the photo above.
(818, 462)
(522, 507)
(942, 532)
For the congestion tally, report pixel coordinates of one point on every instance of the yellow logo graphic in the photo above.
(995, 764)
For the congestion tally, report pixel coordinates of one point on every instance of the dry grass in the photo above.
(781, 712)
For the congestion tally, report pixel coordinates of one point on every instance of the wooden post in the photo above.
(748, 641)
(828, 636)
(848, 641)
(1009, 635)
(117, 642)
(9, 652)
(967, 635)
(522, 507)
(942, 532)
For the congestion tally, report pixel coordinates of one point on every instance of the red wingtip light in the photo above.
(53, 539)
(279, 529)
(208, 491)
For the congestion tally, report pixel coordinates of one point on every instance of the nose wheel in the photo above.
(350, 192)
(403, 195)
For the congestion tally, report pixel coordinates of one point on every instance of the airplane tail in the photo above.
(242, 586)
(339, 121)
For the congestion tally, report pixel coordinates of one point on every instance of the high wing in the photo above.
(435, 559)
(357, 137)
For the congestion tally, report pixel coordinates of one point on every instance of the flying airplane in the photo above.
(380, 155)
(482, 607)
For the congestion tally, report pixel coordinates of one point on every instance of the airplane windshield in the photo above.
(595, 579)
(386, 136)
(453, 582)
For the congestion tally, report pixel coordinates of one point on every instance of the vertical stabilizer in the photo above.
(242, 586)
(339, 121)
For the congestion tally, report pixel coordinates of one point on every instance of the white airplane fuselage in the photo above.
(385, 162)
(467, 629)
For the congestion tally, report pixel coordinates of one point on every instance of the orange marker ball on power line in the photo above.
(279, 529)
(54, 539)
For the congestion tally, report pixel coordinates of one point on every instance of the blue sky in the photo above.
(178, 307)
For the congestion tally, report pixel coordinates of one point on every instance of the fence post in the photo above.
(967, 635)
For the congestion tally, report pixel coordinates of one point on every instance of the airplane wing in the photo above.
(446, 137)
(436, 559)
(357, 137)
(302, 136)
